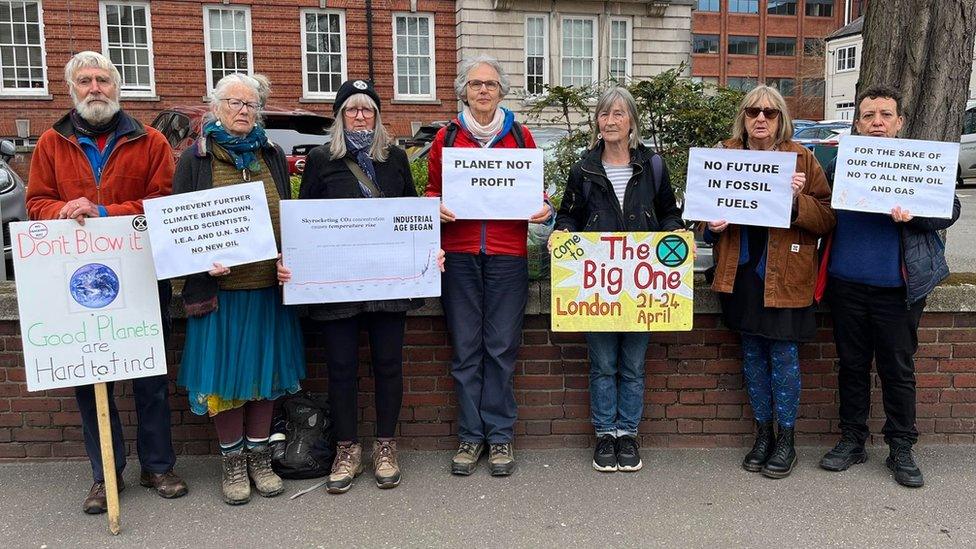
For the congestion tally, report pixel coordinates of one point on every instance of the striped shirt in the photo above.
(619, 176)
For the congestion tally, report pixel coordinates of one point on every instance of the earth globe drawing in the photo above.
(94, 285)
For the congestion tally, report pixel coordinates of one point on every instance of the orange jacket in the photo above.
(139, 167)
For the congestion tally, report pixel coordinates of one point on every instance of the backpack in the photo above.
(452, 129)
(309, 446)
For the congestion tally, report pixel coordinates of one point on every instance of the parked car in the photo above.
(13, 199)
(800, 123)
(967, 145)
(824, 134)
(296, 131)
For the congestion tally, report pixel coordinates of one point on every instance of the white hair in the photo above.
(94, 59)
(380, 148)
(258, 83)
(468, 64)
(87, 107)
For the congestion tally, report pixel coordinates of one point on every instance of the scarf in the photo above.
(358, 144)
(86, 128)
(484, 134)
(240, 149)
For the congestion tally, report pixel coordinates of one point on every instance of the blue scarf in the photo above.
(358, 144)
(240, 149)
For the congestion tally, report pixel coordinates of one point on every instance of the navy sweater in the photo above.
(866, 250)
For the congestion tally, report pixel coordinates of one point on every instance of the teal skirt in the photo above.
(250, 348)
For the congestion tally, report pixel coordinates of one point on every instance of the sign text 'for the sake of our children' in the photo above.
(875, 174)
(228, 225)
(88, 301)
(492, 183)
(622, 282)
(740, 186)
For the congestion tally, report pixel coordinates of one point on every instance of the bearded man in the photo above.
(98, 161)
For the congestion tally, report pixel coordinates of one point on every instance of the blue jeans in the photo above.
(772, 373)
(617, 381)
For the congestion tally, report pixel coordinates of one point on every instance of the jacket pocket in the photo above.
(801, 270)
(592, 223)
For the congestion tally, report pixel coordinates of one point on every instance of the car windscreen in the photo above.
(297, 134)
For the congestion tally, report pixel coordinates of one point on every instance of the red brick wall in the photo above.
(694, 395)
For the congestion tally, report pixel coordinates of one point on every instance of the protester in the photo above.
(879, 270)
(485, 287)
(618, 185)
(243, 347)
(361, 161)
(98, 161)
(765, 278)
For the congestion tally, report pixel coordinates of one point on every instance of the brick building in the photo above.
(171, 53)
(740, 43)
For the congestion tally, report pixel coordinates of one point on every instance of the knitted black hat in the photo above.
(352, 87)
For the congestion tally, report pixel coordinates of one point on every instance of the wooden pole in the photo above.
(108, 458)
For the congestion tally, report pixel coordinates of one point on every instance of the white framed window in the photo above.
(621, 49)
(127, 40)
(323, 52)
(846, 58)
(536, 53)
(22, 57)
(226, 42)
(578, 51)
(413, 56)
(845, 110)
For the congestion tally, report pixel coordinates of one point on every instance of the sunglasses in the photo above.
(753, 112)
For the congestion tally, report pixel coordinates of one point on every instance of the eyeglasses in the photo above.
(753, 112)
(490, 85)
(353, 112)
(238, 105)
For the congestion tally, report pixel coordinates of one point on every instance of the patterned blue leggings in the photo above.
(781, 387)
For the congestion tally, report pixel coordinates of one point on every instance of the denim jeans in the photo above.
(617, 381)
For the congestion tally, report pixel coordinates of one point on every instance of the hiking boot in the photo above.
(849, 451)
(96, 502)
(466, 458)
(168, 485)
(605, 454)
(347, 466)
(781, 463)
(266, 482)
(234, 482)
(386, 469)
(901, 462)
(628, 457)
(501, 459)
(761, 449)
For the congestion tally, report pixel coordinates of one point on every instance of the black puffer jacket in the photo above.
(590, 203)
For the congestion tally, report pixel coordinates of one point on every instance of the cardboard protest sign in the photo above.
(740, 186)
(88, 301)
(622, 282)
(228, 225)
(492, 183)
(875, 174)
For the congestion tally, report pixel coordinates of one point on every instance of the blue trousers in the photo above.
(484, 300)
(617, 381)
(772, 375)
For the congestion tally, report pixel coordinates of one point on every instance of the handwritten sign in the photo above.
(875, 174)
(492, 183)
(741, 187)
(89, 305)
(622, 282)
(227, 225)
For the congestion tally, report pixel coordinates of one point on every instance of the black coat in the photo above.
(325, 177)
(590, 203)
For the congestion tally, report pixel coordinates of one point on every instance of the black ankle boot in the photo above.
(781, 463)
(761, 449)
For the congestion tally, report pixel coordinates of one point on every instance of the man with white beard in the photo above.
(98, 161)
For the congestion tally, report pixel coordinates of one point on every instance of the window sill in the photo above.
(415, 102)
(316, 100)
(145, 98)
(23, 97)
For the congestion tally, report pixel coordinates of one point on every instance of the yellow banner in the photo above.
(622, 282)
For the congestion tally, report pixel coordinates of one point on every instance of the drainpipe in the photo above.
(847, 12)
(369, 40)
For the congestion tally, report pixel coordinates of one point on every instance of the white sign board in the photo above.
(88, 301)
(492, 183)
(360, 249)
(875, 174)
(227, 225)
(740, 186)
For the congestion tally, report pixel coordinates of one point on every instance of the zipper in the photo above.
(98, 177)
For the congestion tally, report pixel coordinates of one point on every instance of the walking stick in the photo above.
(108, 458)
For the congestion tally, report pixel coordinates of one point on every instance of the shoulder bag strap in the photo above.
(362, 177)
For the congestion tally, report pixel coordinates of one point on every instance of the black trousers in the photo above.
(873, 322)
(341, 338)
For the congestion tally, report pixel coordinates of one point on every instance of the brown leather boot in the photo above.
(96, 502)
(168, 485)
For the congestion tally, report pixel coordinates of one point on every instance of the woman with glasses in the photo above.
(485, 288)
(765, 278)
(243, 347)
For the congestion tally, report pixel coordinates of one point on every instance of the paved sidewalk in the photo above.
(682, 498)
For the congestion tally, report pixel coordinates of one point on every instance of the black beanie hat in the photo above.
(352, 87)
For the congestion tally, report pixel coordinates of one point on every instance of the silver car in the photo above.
(13, 205)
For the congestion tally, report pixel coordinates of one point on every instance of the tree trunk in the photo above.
(925, 49)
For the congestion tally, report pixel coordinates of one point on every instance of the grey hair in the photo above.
(94, 59)
(257, 83)
(380, 148)
(468, 64)
(605, 103)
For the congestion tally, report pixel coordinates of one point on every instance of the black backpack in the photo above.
(309, 447)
